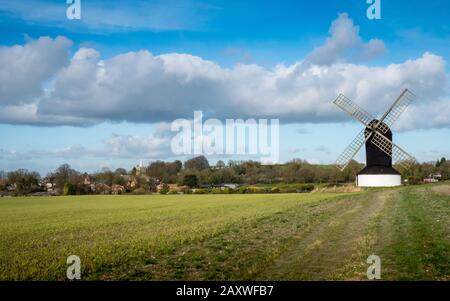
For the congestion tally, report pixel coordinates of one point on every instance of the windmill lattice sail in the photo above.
(353, 109)
(351, 150)
(397, 109)
(391, 149)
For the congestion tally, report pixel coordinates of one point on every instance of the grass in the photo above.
(218, 237)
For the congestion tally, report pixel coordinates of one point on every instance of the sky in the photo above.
(102, 91)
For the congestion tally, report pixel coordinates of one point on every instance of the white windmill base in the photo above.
(379, 180)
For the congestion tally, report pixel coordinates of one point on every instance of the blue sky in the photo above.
(224, 43)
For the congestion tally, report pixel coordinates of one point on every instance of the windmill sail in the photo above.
(397, 154)
(351, 150)
(353, 109)
(397, 108)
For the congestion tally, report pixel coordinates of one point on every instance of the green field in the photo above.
(218, 237)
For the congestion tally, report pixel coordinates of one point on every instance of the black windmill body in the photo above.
(377, 160)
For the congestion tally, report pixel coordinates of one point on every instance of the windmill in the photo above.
(377, 137)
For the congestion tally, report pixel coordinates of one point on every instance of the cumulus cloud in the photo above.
(345, 43)
(142, 87)
(24, 69)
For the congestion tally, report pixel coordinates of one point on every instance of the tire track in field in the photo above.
(333, 246)
(243, 250)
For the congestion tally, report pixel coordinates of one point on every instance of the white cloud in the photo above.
(345, 43)
(24, 69)
(155, 146)
(142, 87)
(130, 146)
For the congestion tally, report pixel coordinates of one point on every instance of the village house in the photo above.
(433, 178)
(222, 186)
(100, 188)
(227, 185)
(47, 184)
(140, 169)
(87, 179)
(172, 187)
(117, 189)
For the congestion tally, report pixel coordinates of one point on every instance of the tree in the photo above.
(65, 174)
(190, 180)
(444, 169)
(69, 189)
(24, 180)
(158, 170)
(440, 162)
(133, 171)
(146, 183)
(197, 163)
(121, 171)
(220, 164)
(176, 166)
(119, 179)
(165, 189)
(105, 176)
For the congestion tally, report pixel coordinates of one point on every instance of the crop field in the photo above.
(307, 236)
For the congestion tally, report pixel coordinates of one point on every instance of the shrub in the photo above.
(305, 188)
(69, 189)
(242, 190)
(190, 181)
(165, 189)
(202, 191)
(139, 191)
(412, 180)
(252, 189)
(217, 191)
(275, 190)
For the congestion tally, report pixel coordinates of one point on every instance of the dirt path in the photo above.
(444, 189)
(331, 249)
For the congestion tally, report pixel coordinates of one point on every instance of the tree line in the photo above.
(197, 172)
